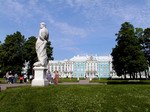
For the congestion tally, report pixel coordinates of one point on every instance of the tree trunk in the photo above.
(133, 75)
(145, 74)
(136, 75)
(124, 76)
(148, 74)
(130, 76)
(140, 75)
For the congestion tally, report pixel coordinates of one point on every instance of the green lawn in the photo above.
(68, 80)
(77, 98)
(120, 81)
(2, 80)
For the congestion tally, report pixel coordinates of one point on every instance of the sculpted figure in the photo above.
(26, 66)
(41, 46)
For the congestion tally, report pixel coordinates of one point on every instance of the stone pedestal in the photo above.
(39, 76)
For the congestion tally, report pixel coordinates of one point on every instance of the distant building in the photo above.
(83, 66)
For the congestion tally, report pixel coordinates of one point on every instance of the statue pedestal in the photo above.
(39, 77)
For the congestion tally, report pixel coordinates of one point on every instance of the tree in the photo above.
(127, 55)
(11, 55)
(16, 49)
(29, 53)
(145, 45)
(145, 42)
(49, 51)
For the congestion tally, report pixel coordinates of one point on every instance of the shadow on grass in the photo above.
(120, 81)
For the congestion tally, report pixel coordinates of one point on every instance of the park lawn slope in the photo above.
(77, 98)
(61, 80)
(120, 81)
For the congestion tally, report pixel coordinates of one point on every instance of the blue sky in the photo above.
(84, 27)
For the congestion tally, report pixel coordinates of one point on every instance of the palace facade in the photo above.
(83, 66)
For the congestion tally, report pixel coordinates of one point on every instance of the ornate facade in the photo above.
(83, 66)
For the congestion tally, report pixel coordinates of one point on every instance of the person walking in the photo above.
(56, 78)
(25, 78)
(7, 77)
(48, 77)
(21, 78)
(15, 78)
(31, 78)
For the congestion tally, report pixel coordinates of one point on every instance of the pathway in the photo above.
(5, 86)
(81, 82)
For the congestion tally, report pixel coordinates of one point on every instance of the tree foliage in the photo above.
(145, 43)
(11, 55)
(29, 53)
(16, 49)
(127, 55)
(49, 51)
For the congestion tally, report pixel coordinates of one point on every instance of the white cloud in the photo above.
(93, 11)
(71, 30)
(138, 16)
(67, 45)
(69, 34)
(17, 11)
(13, 10)
(98, 10)
(67, 29)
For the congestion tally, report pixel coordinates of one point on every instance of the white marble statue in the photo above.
(41, 46)
(26, 67)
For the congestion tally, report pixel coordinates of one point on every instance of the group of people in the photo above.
(24, 78)
(53, 78)
(13, 78)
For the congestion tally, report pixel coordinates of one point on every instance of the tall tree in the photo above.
(49, 51)
(146, 43)
(127, 55)
(29, 53)
(16, 49)
(11, 55)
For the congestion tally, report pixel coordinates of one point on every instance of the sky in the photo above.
(76, 27)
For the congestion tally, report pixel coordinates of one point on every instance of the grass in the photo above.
(119, 81)
(77, 98)
(68, 80)
(2, 80)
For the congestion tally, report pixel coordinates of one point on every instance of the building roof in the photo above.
(89, 57)
(85, 58)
